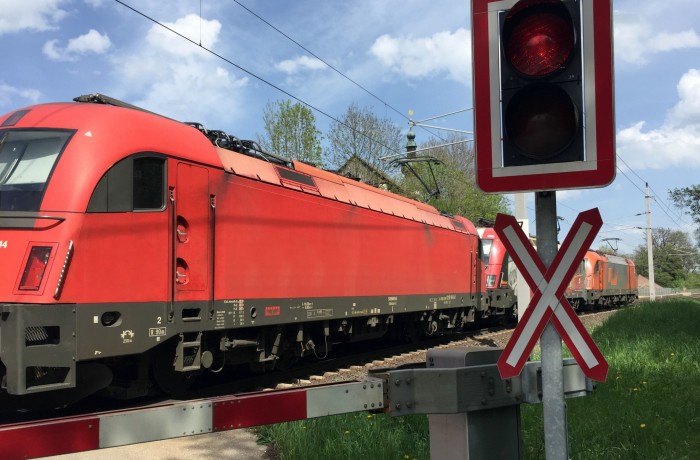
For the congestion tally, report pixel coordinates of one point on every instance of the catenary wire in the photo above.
(257, 77)
(386, 104)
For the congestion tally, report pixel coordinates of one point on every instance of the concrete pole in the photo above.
(650, 249)
(555, 428)
(522, 289)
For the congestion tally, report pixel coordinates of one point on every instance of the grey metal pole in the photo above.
(555, 428)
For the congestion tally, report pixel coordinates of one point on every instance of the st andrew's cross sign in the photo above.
(548, 302)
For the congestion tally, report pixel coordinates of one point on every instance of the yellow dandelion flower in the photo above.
(643, 425)
(370, 416)
(635, 389)
(347, 432)
(406, 456)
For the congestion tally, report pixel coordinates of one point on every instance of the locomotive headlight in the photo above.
(35, 268)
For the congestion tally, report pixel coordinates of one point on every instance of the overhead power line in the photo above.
(257, 77)
(339, 72)
(663, 206)
(319, 58)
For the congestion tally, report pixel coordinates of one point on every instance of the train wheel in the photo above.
(287, 357)
(410, 332)
(166, 378)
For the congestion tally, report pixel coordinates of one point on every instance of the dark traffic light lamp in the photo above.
(541, 83)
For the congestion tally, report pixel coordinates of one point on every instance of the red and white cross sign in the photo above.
(548, 302)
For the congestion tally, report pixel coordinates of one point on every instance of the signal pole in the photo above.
(555, 426)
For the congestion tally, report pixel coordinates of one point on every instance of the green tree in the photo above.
(674, 258)
(290, 130)
(456, 180)
(688, 198)
(360, 133)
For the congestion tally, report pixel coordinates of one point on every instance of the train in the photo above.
(601, 281)
(139, 252)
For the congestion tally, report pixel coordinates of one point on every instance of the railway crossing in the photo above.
(548, 302)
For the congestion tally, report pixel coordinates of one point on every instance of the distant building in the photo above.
(358, 169)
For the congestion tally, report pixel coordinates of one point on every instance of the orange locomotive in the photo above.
(603, 280)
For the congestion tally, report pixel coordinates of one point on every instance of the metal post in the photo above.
(555, 429)
(493, 432)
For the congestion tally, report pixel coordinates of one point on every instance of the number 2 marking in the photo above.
(159, 320)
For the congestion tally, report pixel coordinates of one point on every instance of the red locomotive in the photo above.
(138, 249)
(499, 273)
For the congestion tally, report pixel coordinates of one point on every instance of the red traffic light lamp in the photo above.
(543, 95)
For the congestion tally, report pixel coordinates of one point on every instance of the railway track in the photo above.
(345, 366)
(360, 365)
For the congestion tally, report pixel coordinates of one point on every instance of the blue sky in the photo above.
(412, 54)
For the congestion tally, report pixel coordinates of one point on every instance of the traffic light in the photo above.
(543, 98)
(541, 83)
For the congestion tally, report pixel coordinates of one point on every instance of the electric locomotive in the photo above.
(138, 251)
(602, 280)
(499, 273)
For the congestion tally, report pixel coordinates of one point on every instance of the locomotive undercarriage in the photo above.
(51, 375)
(609, 298)
(173, 366)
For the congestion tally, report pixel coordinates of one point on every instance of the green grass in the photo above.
(352, 436)
(649, 407)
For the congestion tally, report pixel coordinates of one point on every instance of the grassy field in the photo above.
(649, 407)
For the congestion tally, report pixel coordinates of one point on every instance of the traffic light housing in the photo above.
(543, 98)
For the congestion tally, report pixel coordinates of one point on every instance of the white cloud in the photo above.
(36, 15)
(443, 52)
(179, 79)
(200, 31)
(687, 111)
(299, 63)
(8, 95)
(91, 42)
(636, 40)
(564, 195)
(676, 142)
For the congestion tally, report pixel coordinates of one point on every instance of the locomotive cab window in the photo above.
(133, 184)
(27, 158)
(486, 250)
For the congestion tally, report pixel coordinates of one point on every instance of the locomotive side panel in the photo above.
(632, 275)
(278, 243)
(617, 273)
